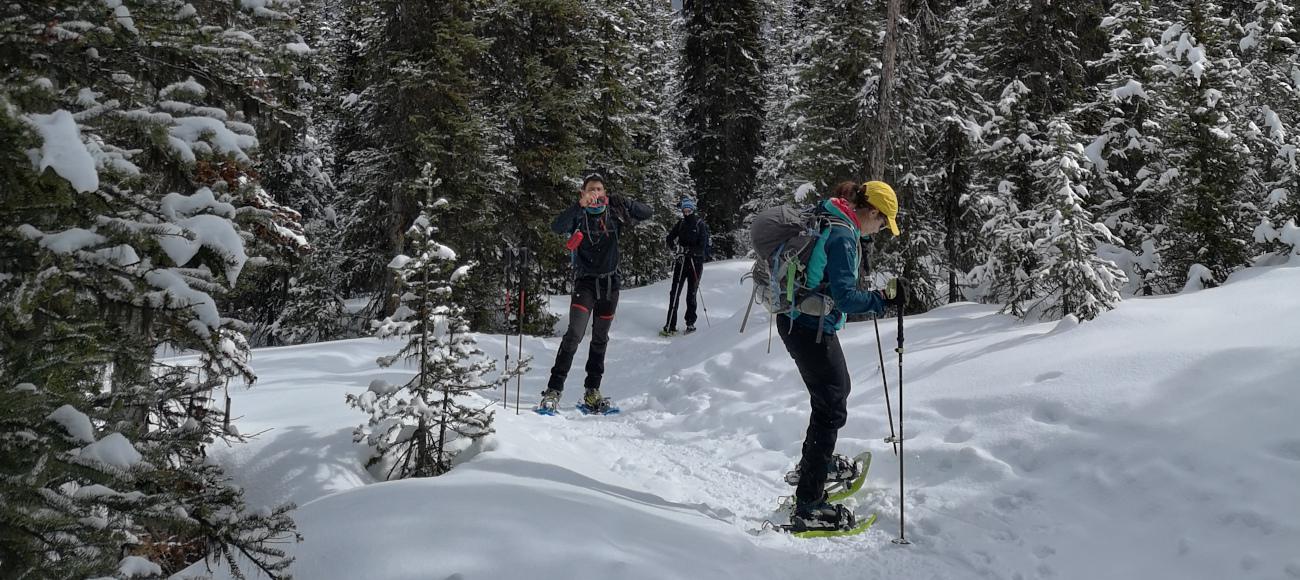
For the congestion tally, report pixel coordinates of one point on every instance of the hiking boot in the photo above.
(594, 401)
(690, 329)
(840, 469)
(668, 331)
(820, 515)
(550, 400)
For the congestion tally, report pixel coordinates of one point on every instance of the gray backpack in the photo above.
(790, 260)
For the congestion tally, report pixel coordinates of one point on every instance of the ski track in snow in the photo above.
(1122, 448)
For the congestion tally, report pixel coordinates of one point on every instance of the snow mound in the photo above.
(1157, 441)
(529, 520)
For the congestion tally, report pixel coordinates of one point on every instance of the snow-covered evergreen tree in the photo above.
(290, 167)
(585, 86)
(1210, 227)
(1073, 279)
(1034, 61)
(1271, 94)
(417, 429)
(313, 308)
(630, 123)
(930, 92)
(1036, 42)
(419, 100)
(665, 176)
(538, 76)
(945, 158)
(774, 183)
(722, 107)
(128, 145)
(836, 103)
(1129, 175)
(1007, 194)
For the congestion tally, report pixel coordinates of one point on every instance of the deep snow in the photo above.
(1158, 441)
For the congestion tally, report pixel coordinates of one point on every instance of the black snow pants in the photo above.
(686, 274)
(593, 298)
(826, 376)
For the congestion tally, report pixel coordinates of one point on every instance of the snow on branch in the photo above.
(63, 150)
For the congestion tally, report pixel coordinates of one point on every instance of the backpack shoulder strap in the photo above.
(833, 221)
(817, 262)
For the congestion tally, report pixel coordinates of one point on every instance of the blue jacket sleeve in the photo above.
(568, 220)
(841, 259)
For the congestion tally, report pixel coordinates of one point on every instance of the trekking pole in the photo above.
(674, 290)
(521, 276)
(902, 532)
(884, 379)
(699, 295)
(505, 367)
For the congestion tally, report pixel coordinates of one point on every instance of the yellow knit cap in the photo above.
(882, 197)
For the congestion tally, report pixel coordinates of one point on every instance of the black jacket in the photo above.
(598, 253)
(692, 234)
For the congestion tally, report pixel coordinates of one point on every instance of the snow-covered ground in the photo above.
(1161, 441)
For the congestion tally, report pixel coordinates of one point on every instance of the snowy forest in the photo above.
(206, 178)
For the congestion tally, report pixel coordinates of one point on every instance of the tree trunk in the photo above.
(884, 116)
(955, 189)
(442, 467)
(422, 434)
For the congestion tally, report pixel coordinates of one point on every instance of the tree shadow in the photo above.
(545, 471)
(299, 464)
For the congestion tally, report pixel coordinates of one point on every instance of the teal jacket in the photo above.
(840, 278)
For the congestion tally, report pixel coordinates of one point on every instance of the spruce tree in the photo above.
(836, 101)
(129, 141)
(929, 94)
(774, 183)
(1210, 229)
(1007, 194)
(665, 181)
(1129, 175)
(289, 166)
(421, 101)
(1271, 94)
(722, 106)
(953, 112)
(534, 71)
(1035, 71)
(629, 124)
(1036, 42)
(315, 306)
(416, 429)
(1074, 280)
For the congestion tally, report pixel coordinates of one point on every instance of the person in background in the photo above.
(593, 223)
(689, 240)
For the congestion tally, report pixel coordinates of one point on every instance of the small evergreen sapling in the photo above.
(416, 429)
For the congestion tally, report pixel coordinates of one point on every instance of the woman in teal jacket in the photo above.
(855, 211)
